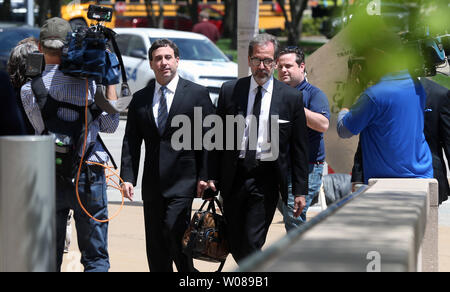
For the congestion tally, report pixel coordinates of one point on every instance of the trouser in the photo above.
(92, 236)
(314, 184)
(250, 208)
(166, 221)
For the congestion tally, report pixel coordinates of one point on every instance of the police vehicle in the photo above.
(200, 60)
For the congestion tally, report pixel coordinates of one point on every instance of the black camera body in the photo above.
(35, 64)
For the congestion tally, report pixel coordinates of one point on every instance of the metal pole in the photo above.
(27, 204)
(30, 12)
(248, 27)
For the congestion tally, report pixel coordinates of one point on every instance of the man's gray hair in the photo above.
(52, 47)
(17, 63)
(261, 40)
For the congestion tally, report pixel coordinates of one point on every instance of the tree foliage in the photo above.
(293, 17)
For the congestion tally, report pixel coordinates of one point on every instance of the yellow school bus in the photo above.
(134, 13)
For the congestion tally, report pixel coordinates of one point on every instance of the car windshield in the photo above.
(10, 38)
(198, 50)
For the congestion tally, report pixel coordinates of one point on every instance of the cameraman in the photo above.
(390, 114)
(92, 235)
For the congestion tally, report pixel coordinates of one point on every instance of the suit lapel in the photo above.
(151, 116)
(276, 98)
(274, 105)
(241, 93)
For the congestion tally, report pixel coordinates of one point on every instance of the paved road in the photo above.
(127, 240)
(114, 144)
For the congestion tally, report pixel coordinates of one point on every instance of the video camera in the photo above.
(86, 55)
(430, 54)
(426, 54)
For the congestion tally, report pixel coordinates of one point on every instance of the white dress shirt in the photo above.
(263, 131)
(170, 94)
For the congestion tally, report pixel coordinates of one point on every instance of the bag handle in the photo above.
(211, 206)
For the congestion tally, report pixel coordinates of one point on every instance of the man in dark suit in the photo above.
(171, 177)
(11, 119)
(437, 131)
(251, 180)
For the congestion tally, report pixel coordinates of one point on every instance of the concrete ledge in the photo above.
(380, 230)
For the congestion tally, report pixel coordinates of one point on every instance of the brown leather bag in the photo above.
(206, 238)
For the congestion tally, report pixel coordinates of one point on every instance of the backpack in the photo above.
(69, 136)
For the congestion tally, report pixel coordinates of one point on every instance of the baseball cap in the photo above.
(55, 29)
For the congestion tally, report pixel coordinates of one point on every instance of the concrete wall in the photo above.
(27, 204)
(391, 227)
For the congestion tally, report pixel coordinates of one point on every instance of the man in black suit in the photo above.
(171, 177)
(250, 180)
(437, 131)
(11, 119)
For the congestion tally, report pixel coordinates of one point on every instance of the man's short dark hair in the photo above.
(300, 55)
(161, 44)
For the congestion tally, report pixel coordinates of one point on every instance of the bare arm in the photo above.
(316, 121)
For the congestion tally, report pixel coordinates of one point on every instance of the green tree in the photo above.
(48, 9)
(294, 20)
(153, 19)
(230, 22)
(192, 6)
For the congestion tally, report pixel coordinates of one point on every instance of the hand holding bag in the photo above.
(206, 238)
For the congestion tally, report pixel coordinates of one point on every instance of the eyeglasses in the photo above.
(257, 62)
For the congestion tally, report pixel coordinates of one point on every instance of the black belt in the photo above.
(318, 163)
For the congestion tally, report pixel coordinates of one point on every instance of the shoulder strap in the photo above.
(111, 35)
(40, 92)
(100, 140)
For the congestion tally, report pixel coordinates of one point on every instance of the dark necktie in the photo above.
(163, 113)
(250, 155)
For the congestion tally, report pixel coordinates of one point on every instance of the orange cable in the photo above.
(93, 163)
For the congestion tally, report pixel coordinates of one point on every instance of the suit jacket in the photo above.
(167, 172)
(287, 102)
(11, 119)
(437, 131)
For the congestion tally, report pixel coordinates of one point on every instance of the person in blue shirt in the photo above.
(389, 115)
(291, 70)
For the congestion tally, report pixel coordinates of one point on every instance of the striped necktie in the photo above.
(163, 112)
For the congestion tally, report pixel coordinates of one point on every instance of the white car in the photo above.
(200, 60)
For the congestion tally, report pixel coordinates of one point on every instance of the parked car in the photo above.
(201, 61)
(9, 37)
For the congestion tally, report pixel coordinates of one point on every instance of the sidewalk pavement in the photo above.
(127, 242)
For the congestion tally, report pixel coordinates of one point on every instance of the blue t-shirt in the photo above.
(315, 100)
(390, 118)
